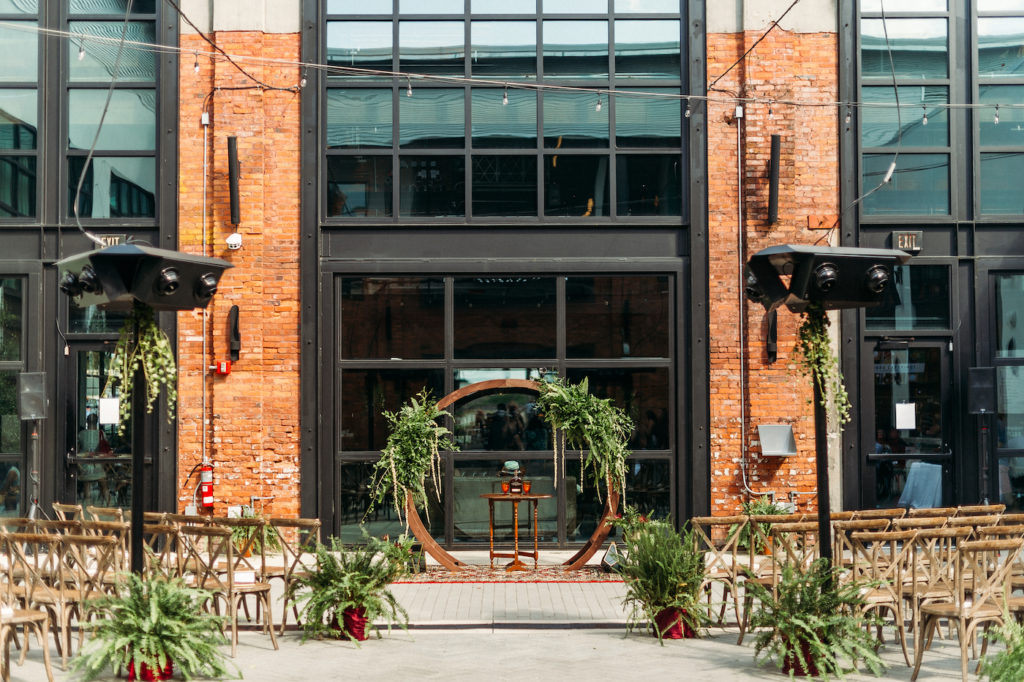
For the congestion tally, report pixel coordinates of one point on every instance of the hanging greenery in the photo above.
(152, 354)
(588, 423)
(412, 451)
(819, 361)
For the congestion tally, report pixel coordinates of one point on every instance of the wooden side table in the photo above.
(515, 499)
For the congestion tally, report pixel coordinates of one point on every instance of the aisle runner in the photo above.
(483, 574)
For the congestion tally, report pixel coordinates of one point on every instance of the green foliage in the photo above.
(268, 538)
(1006, 665)
(661, 569)
(152, 354)
(412, 450)
(819, 361)
(756, 507)
(151, 620)
(352, 577)
(588, 423)
(816, 609)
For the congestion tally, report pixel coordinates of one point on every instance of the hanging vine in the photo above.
(152, 354)
(821, 363)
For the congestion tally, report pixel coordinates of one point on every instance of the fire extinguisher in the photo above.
(206, 485)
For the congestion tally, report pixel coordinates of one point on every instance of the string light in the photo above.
(686, 114)
(995, 119)
(848, 115)
(195, 67)
(408, 89)
(303, 81)
(770, 113)
(924, 117)
(599, 105)
(504, 98)
(81, 51)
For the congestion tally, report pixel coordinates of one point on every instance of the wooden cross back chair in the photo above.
(718, 538)
(30, 619)
(298, 539)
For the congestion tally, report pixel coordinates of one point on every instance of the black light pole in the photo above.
(138, 452)
(821, 464)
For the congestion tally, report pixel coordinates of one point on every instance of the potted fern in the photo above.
(748, 535)
(348, 587)
(264, 537)
(1006, 665)
(812, 625)
(149, 626)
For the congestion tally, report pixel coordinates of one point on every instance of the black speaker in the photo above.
(233, 179)
(981, 390)
(773, 181)
(32, 400)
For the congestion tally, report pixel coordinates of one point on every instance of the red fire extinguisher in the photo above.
(206, 485)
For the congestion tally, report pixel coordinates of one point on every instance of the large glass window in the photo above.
(576, 185)
(399, 317)
(503, 49)
(617, 317)
(358, 118)
(504, 119)
(363, 46)
(573, 119)
(919, 298)
(1009, 315)
(647, 49)
(432, 186)
(432, 117)
(504, 185)
(12, 307)
(359, 186)
(505, 317)
(432, 46)
(575, 49)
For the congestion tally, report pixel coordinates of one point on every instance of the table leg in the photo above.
(490, 503)
(516, 564)
(535, 552)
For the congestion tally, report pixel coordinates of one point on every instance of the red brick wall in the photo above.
(784, 66)
(253, 414)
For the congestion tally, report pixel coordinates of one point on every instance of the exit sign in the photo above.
(113, 239)
(907, 241)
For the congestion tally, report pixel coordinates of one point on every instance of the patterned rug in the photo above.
(484, 574)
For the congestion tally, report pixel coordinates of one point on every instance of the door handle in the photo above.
(72, 459)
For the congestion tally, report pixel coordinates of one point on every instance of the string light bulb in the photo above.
(995, 119)
(599, 104)
(924, 117)
(195, 67)
(687, 113)
(771, 114)
(408, 88)
(504, 98)
(303, 81)
(81, 51)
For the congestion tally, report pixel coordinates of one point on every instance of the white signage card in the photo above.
(906, 416)
(109, 410)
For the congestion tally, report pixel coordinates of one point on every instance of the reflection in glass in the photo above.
(12, 484)
(1011, 483)
(905, 5)
(358, 117)
(474, 478)
(19, 6)
(104, 453)
(359, 7)
(17, 186)
(114, 7)
(19, 52)
(512, 125)
(354, 482)
(879, 124)
(505, 317)
(643, 393)
(649, 185)
(919, 48)
(648, 121)
(367, 393)
(392, 318)
(503, 6)
(649, 486)
(92, 320)
(504, 186)
(113, 187)
(432, 117)
(1000, 183)
(617, 317)
(432, 46)
(1001, 5)
(1009, 314)
(504, 421)
(359, 186)
(575, 185)
(130, 121)
(575, 49)
(504, 48)
(466, 376)
(917, 299)
(136, 65)
(12, 305)
(1000, 45)
(18, 116)
(574, 6)
(431, 6)
(359, 44)
(10, 424)
(432, 186)
(571, 119)
(909, 376)
(1010, 129)
(925, 479)
(1010, 406)
(920, 185)
(638, 6)
(647, 49)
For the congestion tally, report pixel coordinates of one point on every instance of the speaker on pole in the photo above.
(773, 181)
(981, 390)
(32, 400)
(233, 178)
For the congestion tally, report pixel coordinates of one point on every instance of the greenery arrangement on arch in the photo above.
(588, 423)
(411, 454)
(821, 363)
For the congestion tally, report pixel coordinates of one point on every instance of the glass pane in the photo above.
(575, 6)
(18, 116)
(392, 318)
(919, 48)
(92, 320)
(906, 5)
(432, 46)
(367, 393)
(1010, 406)
(359, 186)
(432, 186)
(504, 185)
(104, 455)
(17, 186)
(100, 57)
(575, 185)
(10, 423)
(360, 45)
(1000, 183)
(647, 49)
(908, 482)
(576, 49)
(12, 306)
(19, 52)
(1000, 42)
(920, 185)
(1009, 314)
(911, 378)
(505, 317)
(665, 6)
(1010, 129)
(19, 6)
(572, 119)
(431, 6)
(1011, 483)
(880, 124)
(504, 125)
(504, 421)
(918, 299)
(617, 317)
(358, 118)
(648, 121)
(503, 6)
(474, 478)
(649, 185)
(113, 187)
(643, 393)
(467, 376)
(130, 122)
(649, 486)
(354, 482)
(1000, 6)
(11, 484)
(115, 7)
(432, 117)
(506, 49)
(359, 6)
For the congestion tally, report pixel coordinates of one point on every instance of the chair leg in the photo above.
(233, 615)
(268, 614)
(43, 633)
(919, 647)
(962, 634)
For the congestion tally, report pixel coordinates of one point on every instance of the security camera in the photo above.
(234, 241)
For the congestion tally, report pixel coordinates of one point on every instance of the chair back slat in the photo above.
(980, 509)
(893, 513)
(932, 511)
(920, 522)
(65, 512)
